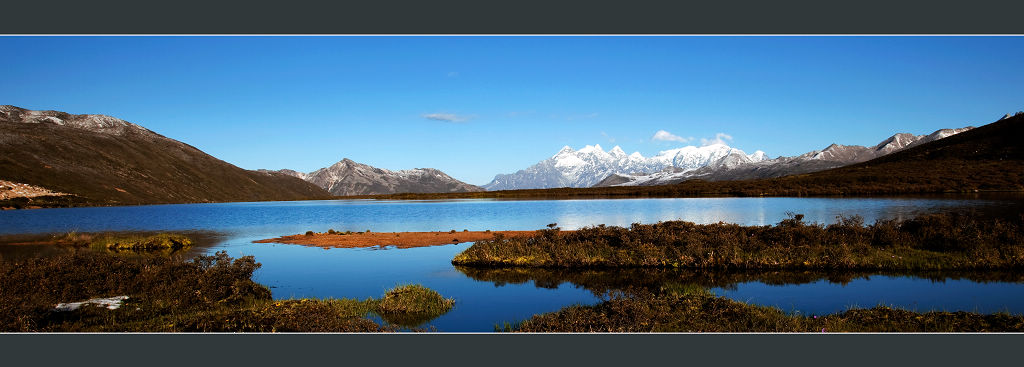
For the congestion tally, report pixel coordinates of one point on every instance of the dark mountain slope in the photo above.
(109, 161)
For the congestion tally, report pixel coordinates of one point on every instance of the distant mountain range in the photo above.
(591, 164)
(102, 160)
(347, 178)
(833, 156)
(106, 160)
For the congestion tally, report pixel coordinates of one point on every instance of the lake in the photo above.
(485, 298)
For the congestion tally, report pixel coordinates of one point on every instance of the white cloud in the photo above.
(606, 136)
(720, 138)
(446, 117)
(663, 135)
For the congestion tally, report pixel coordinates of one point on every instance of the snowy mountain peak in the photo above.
(591, 164)
(733, 166)
(758, 156)
(942, 133)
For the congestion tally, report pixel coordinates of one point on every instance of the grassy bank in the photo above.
(696, 310)
(162, 241)
(168, 294)
(929, 242)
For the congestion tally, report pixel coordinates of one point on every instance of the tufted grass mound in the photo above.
(412, 305)
(162, 241)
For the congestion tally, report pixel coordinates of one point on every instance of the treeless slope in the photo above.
(130, 166)
(987, 158)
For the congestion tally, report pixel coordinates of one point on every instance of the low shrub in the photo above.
(697, 311)
(929, 242)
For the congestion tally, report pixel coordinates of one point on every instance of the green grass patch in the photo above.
(412, 305)
(161, 241)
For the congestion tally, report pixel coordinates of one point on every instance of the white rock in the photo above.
(111, 303)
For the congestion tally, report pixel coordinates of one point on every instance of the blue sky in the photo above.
(476, 106)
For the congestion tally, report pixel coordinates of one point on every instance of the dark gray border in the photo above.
(511, 350)
(512, 17)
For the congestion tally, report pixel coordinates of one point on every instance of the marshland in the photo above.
(910, 255)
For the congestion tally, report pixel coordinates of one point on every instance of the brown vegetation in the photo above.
(163, 286)
(930, 242)
(46, 201)
(166, 294)
(697, 310)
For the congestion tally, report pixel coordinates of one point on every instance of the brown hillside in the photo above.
(126, 164)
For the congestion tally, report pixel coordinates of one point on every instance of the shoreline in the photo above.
(397, 239)
(73, 201)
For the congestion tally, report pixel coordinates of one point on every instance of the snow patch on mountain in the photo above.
(97, 123)
(348, 177)
(591, 164)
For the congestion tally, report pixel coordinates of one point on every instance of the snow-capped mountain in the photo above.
(833, 156)
(350, 178)
(589, 165)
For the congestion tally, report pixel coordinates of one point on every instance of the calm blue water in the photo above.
(276, 218)
(298, 271)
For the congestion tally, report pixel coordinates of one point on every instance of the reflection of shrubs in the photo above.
(663, 279)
